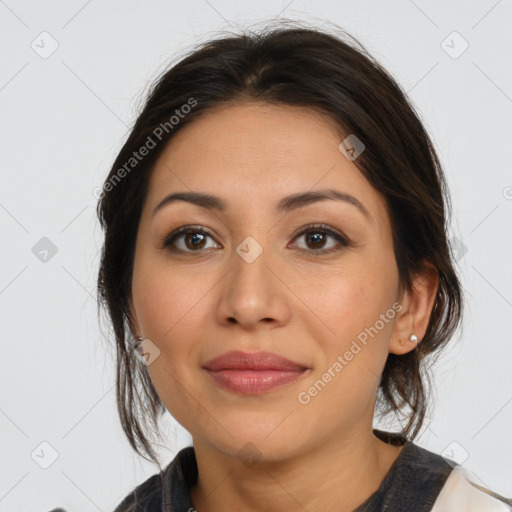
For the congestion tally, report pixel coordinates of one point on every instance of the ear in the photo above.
(417, 306)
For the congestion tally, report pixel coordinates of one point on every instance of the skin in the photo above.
(291, 300)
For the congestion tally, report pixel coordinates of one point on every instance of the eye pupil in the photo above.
(197, 237)
(317, 237)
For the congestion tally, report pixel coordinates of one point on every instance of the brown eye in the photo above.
(317, 236)
(187, 239)
(194, 240)
(317, 239)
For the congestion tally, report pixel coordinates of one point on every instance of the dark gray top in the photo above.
(412, 484)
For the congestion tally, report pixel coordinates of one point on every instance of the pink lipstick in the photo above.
(252, 373)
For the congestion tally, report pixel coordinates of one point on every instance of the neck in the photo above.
(345, 472)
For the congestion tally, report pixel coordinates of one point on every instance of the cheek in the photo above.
(357, 316)
(345, 300)
(354, 313)
(165, 300)
(167, 304)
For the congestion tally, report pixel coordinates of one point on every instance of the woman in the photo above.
(276, 270)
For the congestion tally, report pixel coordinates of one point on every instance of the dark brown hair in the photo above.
(295, 66)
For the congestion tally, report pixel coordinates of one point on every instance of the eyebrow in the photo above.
(285, 205)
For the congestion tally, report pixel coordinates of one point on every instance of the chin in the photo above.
(262, 440)
(252, 451)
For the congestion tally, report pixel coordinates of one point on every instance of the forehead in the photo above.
(258, 152)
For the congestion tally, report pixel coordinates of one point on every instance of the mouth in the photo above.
(253, 373)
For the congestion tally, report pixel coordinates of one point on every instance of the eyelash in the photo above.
(312, 228)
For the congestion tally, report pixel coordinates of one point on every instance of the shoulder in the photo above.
(146, 497)
(166, 490)
(461, 494)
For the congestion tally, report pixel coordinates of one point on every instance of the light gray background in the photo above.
(63, 119)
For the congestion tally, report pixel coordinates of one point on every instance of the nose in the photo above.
(253, 293)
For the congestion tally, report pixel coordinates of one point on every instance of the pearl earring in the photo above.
(137, 340)
(413, 338)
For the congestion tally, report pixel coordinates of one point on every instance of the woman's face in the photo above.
(263, 279)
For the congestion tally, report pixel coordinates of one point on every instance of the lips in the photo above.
(252, 373)
(236, 360)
